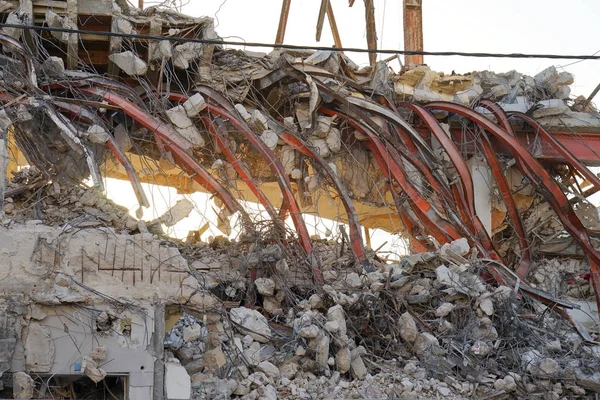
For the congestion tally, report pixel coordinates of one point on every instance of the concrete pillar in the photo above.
(482, 186)
(159, 351)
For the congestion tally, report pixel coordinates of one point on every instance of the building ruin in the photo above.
(487, 174)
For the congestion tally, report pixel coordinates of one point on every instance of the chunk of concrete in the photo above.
(194, 105)
(425, 343)
(408, 327)
(39, 348)
(92, 371)
(53, 67)
(265, 286)
(251, 322)
(343, 360)
(214, 359)
(23, 386)
(269, 369)
(191, 333)
(550, 107)
(97, 134)
(179, 211)
(129, 63)
(322, 349)
(184, 125)
(358, 368)
(336, 313)
(178, 385)
(269, 138)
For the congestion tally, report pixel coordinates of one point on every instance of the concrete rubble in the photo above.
(93, 297)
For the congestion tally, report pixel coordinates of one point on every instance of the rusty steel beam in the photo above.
(542, 181)
(413, 31)
(218, 135)
(356, 241)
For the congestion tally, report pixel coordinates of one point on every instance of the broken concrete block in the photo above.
(124, 26)
(358, 368)
(179, 211)
(39, 348)
(265, 286)
(13, 19)
(56, 21)
(343, 360)
(178, 384)
(425, 343)
(288, 159)
(184, 125)
(96, 134)
(320, 145)
(99, 353)
(322, 349)
(183, 54)
(23, 386)
(444, 309)
(408, 327)
(214, 359)
(322, 126)
(192, 332)
(336, 313)
(129, 63)
(269, 369)
(53, 67)
(164, 50)
(92, 371)
(309, 331)
(334, 140)
(251, 322)
(194, 105)
(270, 138)
(550, 108)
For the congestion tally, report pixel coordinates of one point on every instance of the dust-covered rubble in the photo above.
(432, 328)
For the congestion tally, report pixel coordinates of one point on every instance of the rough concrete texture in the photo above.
(129, 62)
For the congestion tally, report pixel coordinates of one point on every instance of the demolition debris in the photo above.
(498, 298)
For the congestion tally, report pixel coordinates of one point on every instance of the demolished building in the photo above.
(487, 174)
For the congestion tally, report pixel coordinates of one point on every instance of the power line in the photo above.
(296, 47)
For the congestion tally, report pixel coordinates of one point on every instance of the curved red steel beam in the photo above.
(441, 229)
(540, 178)
(504, 187)
(355, 234)
(171, 142)
(277, 169)
(237, 165)
(569, 157)
(83, 114)
(466, 181)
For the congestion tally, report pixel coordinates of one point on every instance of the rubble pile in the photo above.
(31, 196)
(426, 327)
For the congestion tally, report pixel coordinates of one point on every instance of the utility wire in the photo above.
(296, 47)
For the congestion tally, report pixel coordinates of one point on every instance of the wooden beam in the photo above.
(283, 18)
(333, 25)
(321, 18)
(371, 30)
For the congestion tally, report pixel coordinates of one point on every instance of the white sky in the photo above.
(491, 26)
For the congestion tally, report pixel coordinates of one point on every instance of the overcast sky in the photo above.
(507, 26)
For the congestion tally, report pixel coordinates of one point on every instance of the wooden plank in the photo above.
(321, 18)
(371, 30)
(333, 25)
(283, 18)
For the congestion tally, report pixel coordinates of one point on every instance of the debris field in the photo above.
(486, 174)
